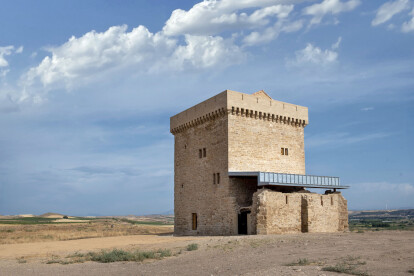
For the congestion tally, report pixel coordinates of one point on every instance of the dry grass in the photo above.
(10, 234)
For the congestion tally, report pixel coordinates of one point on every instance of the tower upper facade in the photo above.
(260, 134)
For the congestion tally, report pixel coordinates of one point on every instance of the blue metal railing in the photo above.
(299, 179)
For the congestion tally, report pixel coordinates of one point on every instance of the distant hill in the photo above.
(51, 215)
(382, 214)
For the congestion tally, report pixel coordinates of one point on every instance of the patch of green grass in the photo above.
(145, 222)
(116, 255)
(21, 260)
(348, 265)
(7, 230)
(192, 247)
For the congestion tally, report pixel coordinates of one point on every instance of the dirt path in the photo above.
(376, 253)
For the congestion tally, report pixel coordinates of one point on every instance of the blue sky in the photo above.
(87, 89)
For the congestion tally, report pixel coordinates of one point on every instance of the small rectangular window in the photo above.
(286, 151)
(321, 200)
(194, 222)
(218, 178)
(204, 152)
(282, 151)
(200, 153)
(286, 199)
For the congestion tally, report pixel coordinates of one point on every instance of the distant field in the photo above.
(381, 220)
(38, 229)
(40, 220)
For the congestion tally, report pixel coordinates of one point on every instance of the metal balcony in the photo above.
(294, 180)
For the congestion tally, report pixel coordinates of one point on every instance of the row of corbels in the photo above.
(266, 116)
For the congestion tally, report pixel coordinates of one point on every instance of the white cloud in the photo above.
(82, 58)
(5, 51)
(388, 10)
(272, 32)
(97, 54)
(369, 108)
(314, 55)
(318, 11)
(205, 52)
(409, 25)
(19, 50)
(337, 43)
(212, 17)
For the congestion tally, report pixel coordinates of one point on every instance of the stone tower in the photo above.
(239, 168)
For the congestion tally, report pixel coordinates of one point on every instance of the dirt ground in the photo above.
(374, 253)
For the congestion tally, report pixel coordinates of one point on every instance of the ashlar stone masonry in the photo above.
(237, 132)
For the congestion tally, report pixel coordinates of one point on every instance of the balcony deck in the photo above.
(293, 180)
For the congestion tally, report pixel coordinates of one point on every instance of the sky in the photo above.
(87, 89)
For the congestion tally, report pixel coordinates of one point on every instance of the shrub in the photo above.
(192, 247)
(300, 262)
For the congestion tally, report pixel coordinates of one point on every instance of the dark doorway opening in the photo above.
(243, 223)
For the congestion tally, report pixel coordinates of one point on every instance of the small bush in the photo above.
(192, 247)
(300, 262)
(111, 256)
(117, 255)
(348, 265)
(21, 260)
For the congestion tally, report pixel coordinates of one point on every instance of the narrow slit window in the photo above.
(286, 199)
(286, 151)
(331, 200)
(200, 153)
(214, 178)
(321, 200)
(204, 152)
(218, 178)
(282, 151)
(194, 221)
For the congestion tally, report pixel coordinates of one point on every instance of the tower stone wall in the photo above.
(233, 132)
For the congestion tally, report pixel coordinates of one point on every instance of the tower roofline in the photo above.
(257, 104)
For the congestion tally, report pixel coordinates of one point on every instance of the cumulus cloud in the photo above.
(81, 59)
(388, 10)
(409, 25)
(314, 55)
(93, 53)
(272, 32)
(205, 52)
(318, 11)
(7, 51)
(211, 33)
(212, 17)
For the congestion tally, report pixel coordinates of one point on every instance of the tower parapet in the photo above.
(258, 105)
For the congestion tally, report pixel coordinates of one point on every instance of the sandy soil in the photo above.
(380, 253)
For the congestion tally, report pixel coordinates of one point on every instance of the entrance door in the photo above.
(243, 223)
